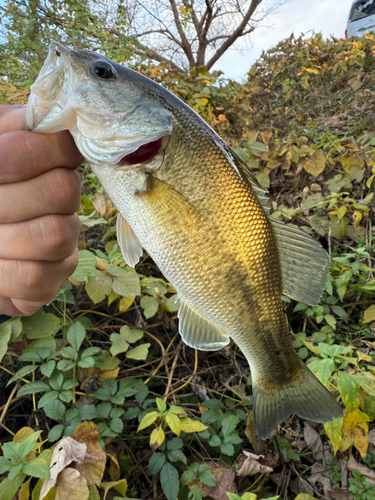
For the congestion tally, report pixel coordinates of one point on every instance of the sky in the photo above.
(328, 17)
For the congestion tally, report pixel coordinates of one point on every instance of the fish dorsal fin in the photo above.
(129, 244)
(304, 263)
(259, 190)
(197, 332)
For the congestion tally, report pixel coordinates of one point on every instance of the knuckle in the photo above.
(63, 190)
(58, 235)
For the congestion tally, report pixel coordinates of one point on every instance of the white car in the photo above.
(361, 18)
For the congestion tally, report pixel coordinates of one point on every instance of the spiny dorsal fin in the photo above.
(129, 244)
(197, 332)
(304, 263)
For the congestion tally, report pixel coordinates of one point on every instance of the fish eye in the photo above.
(103, 70)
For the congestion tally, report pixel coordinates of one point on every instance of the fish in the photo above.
(184, 196)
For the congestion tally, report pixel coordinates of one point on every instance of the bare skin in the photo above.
(39, 227)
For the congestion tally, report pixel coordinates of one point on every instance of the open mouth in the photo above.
(50, 92)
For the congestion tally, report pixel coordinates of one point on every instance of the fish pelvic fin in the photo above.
(304, 395)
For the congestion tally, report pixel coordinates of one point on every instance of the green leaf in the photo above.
(140, 352)
(323, 369)
(69, 384)
(116, 424)
(233, 496)
(28, 444)
(47, 368)
(119, 344)
(98, 287)
(22, 373)
(54, 409)
(213, 404)
(40, 325)
(33, 388)
(68, 352)
(127, 284)
(30, 356)
(5, 465)
(188, 476)
(150, 306)
(88, 412)
(66, 396)
(48, 396)
(349, 390)
(65, 365)
(174, 423)
(55, 433)
(147, 420)
(367, 381)
(117, 412)
(16, 326)
(90, 351)
(76, 335)
(174, 444)
(227, 449)
(155, 464)
(214, 441)
(56, 380)
(228, 424)
(104, 409)
(86, 266)
(169, 481)
(195, 493)
(36, 468)
(5, 333)
(131, 334)
(9, 487)
(86, 362)
(162, 406)
(177, 456)
(207, 478)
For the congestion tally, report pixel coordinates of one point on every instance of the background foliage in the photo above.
(104, 367)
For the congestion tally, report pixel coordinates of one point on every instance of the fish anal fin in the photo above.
(304, 263)
(304, 396)
(197, 332)
(130, 246)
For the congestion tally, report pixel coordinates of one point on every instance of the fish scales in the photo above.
(188, 200)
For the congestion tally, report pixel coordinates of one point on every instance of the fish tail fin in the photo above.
(304, 395)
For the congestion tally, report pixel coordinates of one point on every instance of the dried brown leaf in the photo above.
(71, 485)
(93, 465)
(225, 482)
(66, 451)
(251, 465)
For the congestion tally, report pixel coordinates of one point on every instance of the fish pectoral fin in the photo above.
(197, 332)
(130, 246)
(304, 263)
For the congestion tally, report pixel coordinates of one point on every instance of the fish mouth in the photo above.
(50, 92)
(59, 101)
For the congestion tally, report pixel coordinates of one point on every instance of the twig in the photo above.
(165, 397)
(191, 377)
(8, 403)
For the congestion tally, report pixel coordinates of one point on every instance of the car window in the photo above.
(361, 9)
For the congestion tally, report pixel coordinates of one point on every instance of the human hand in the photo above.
(39, 227)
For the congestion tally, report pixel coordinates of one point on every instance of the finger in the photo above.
(34, 281)
(18, 307)
(12, 117)
(50, 238)
(24, 155)
(54, 192)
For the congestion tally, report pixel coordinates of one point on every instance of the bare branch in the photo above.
(185, 44)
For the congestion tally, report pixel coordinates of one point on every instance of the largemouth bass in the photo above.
(193, 204)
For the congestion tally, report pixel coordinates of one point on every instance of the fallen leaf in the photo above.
(341, 494)
(313, 441)
(99, 203)
(316, 164)
(371, 437)
(354, 465)
(93, 465)
(251, 465)
(71, 485)
(225, 482)
(66, 451)
(369, 314)
(354, 431)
